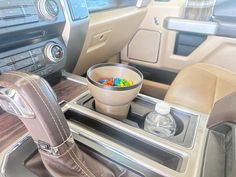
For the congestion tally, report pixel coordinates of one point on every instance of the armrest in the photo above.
(191, 26)
(227, 26)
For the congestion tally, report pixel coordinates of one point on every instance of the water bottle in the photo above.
(160, 122)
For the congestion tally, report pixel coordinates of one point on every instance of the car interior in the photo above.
(117, 88)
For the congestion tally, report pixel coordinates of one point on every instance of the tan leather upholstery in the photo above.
(223, 111)
(199, 86)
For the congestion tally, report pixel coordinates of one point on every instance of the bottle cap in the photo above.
(162, 108)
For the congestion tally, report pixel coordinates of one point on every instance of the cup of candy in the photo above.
(113, 87)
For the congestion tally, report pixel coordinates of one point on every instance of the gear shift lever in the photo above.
(30, 98)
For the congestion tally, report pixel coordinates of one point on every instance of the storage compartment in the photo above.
(145, 46)
(140, 107)
(158, 154)
(220, 154)
(25, 161)
(187, 43)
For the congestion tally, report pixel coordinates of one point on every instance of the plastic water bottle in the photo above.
(160, 122)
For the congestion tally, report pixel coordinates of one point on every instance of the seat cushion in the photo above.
(199, 86)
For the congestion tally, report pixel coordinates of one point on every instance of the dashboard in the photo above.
(31, 34)
(46, 36)
(98, 5)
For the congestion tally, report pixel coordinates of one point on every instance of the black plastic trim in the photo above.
(156, 75)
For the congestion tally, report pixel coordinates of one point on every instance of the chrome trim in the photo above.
(61, 103)
(12, 149)
(48, 52)
(74, 78)
(104, 145)
(132, 131)
(42, 8)
(82, 80)
(184, 152)
(126, 153)
(115, 88)
(153, 139)
(192, 26)
(142, 3)
(56, 150)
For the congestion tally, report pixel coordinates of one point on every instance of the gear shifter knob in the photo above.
(31, 99)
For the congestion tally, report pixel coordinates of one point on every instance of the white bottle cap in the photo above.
(162, 108)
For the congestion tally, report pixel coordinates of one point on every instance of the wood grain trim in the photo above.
(11, 128)
(67, 90)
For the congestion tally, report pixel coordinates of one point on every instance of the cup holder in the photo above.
(156, 153)
(179, 124)
(140, 120)
(139, 108)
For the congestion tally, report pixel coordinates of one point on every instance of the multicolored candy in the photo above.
(118, 82)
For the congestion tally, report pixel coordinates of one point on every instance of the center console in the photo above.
(129, 144)
(125, 142)
(142, 105)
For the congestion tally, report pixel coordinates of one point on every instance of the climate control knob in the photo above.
(54, 52)
(49, 9)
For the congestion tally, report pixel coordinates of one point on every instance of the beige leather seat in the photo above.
(199, 86)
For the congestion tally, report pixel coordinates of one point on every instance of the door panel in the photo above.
(212, 49)
(108, 32)
(157, 12)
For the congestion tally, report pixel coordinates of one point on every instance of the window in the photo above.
(98, 5)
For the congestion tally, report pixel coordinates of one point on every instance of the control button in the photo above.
(49, 9)
(52, 7)
(28, 69)
(40, 65)
(12, 22)
(30, 10)
(54, 52)
(2, 15)
(7, 68)
(37, 51)
(6, 106)
(31, 18)
(49, 70)
(23, 63)
(12, 13)
(14, 3)
(39, 61)
(21, 56)
(41, 73)
(13, 103)
(5, 61)
(2, 23)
